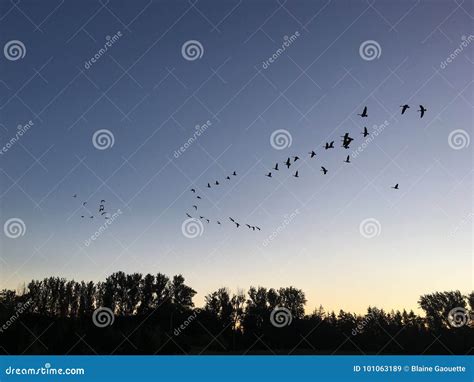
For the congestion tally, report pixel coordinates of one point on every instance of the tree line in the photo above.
(156, 314)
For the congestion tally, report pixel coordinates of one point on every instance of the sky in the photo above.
(346, 238)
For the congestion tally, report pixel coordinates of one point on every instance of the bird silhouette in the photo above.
(288, 163)
(193, 190)
(195, 207)
(295, 158)
(102, 201)
(201, 217)
(103, 213)
(404, 108)
(276, 167)
(323, 169)
(258, 228)
(189, 216)
(237, 224)
(364, 113)
(82, 216)
(296, 174)
(422, 111)
(232, 220)
(248, 225)
(365, 133)
(269, 175)
(218, 222)
(228, 177)
(208, 185)
(74, 196)
(208, 221)
(348, 160)
(312, 153)
(329, 145)
(253, 228)
(84, 203)
(346, 140)
(198, 197)
(395, 187)
(217, 183)
(234, 173)
(91, 217)
(101, 208)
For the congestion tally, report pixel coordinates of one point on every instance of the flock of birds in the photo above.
(101, 209)
(346, 141)
(218, 222)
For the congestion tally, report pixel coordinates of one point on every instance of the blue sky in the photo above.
(150, 97)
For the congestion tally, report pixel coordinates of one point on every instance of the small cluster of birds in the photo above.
(346, 141)
(218, 222)
(101, 210)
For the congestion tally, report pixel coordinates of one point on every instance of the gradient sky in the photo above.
(151, 99)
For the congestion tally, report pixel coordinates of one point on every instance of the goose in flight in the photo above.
(232, 220)
(189, 216)
(84, 203)
(228, 177)
(404, 108)
(74, 196)
(258, 228)
(234, 173)
(323, 169)
(217, 183)
(198, 197)
(237, 224)
(296, 174)
(288, 163)
(312, 153)
(195, 207)
(269, 175)
(193, 190)
(329, 145)
(395, 187)
(365, 133)
(364, 113)
(295, 158)
(276, 167)
(422, 111)
(348, 160)
(248, 225)
(218, 222)
(208, 185)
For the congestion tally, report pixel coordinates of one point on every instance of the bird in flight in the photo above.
(323, 169)
(234, 173)
(288, 163)
(208, 221)
(208, 185)
(228, 177)
(422, 111)
(365, 133)
(237, 224)
(189, 216)
(193, 190)
(218, 222)
(74, 196)
(395, 187)
(92, 217)
(346, 141)
(198, 197)
(329, 145)
(102, 201)
(258, 228)
(276, 167)
(295, 158)
(312, 153)
(296, 174)
(84, 203)
(348, 160)
(195, 207)
(404, 108)
(232, 220)
(248, 225)
(82, 216)
(269, 175)
(364, 113)
(217, 183)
